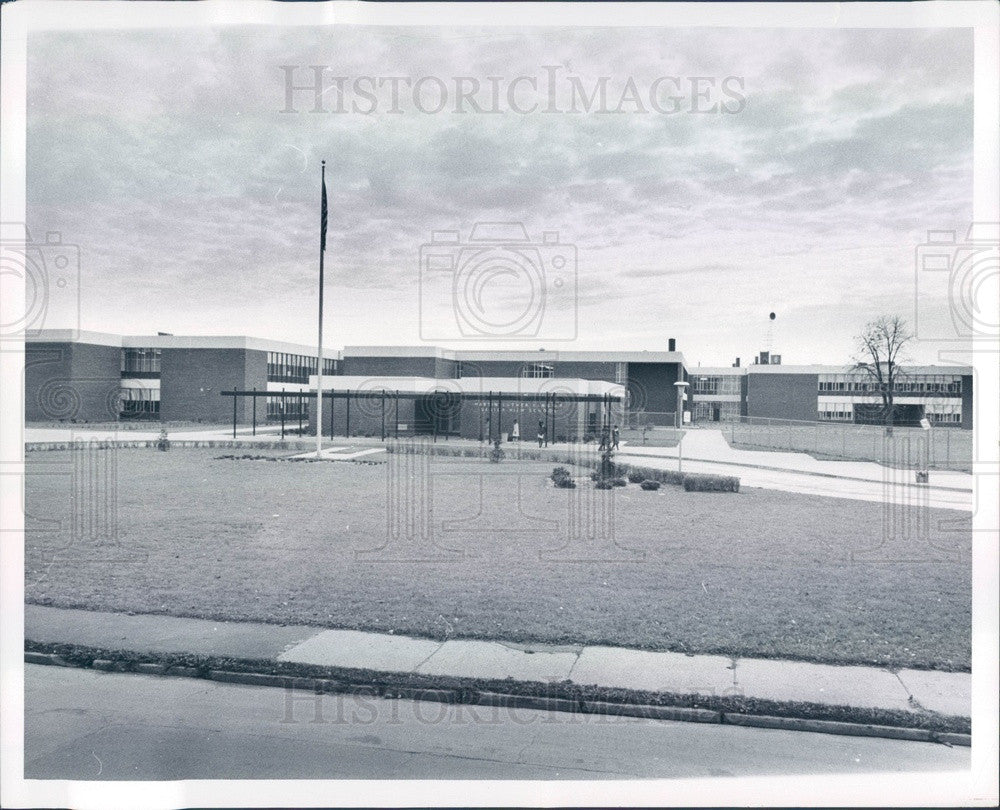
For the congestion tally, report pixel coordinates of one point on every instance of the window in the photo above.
(537, 371)
(140, 362)
(297, 368)
(705, 385)
(724, 385)
(716, 411)
(139, 403)
(293, 408)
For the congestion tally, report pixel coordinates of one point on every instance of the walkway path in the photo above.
(708, 444)
(920, 691)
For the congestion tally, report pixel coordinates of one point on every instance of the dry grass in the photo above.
(758, 573)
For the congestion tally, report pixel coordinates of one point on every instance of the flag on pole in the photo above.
(322, 235)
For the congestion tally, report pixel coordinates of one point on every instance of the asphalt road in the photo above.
(81, 724)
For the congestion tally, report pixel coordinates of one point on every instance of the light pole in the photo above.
(924, 475)
(680, 386)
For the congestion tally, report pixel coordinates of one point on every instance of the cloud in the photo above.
(167, 157)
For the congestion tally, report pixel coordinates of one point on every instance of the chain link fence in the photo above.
(947, 448)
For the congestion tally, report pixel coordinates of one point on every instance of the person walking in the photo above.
(605, 438)
(515, 432)
(541, 433)
(615, 435)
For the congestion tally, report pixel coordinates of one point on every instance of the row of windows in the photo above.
(136, 394)
(918, 385)
(292, 407)
(140, 407)
(141, 361)
(284, 367)
(840, 415)
(716, 411)
(714, 386)
(281, 367)
(537, 371)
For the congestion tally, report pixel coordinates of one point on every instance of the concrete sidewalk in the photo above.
(895, 486)
(710, 444)
(915, 691)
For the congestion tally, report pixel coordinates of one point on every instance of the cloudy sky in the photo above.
(167, 157)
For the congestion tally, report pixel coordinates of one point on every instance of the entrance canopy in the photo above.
(508, 386)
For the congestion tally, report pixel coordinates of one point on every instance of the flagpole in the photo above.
(319, 348)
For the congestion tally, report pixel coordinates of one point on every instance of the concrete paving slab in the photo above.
(363, 452)
(326, 451)
(489, 659)
(357, 650)
(862, 687)
(944, 692)
(162, 634)
(653, 671)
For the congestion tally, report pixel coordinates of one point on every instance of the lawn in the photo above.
(758, 573)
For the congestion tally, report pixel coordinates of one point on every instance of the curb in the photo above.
(512, 700)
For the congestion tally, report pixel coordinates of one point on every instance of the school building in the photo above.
(82, 377)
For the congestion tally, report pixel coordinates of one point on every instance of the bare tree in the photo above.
(879, 354)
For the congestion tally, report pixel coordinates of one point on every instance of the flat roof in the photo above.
(176, 342)
(849, 368)
(515, 355)
(73, 336)
(471, 385)
(716, 371)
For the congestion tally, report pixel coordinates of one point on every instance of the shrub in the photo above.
(636, 477)
(565, 483)
(701, 482)
(669, 477)
(618, 482)
(603, 484)
(650, 485)
(560, 472)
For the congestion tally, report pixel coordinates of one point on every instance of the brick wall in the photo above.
(391, 366)
(783, 396)
(71, 382)
(651, 388)
(191, 381)
(967, 402)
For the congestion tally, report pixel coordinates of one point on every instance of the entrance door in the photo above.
(437, 414)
